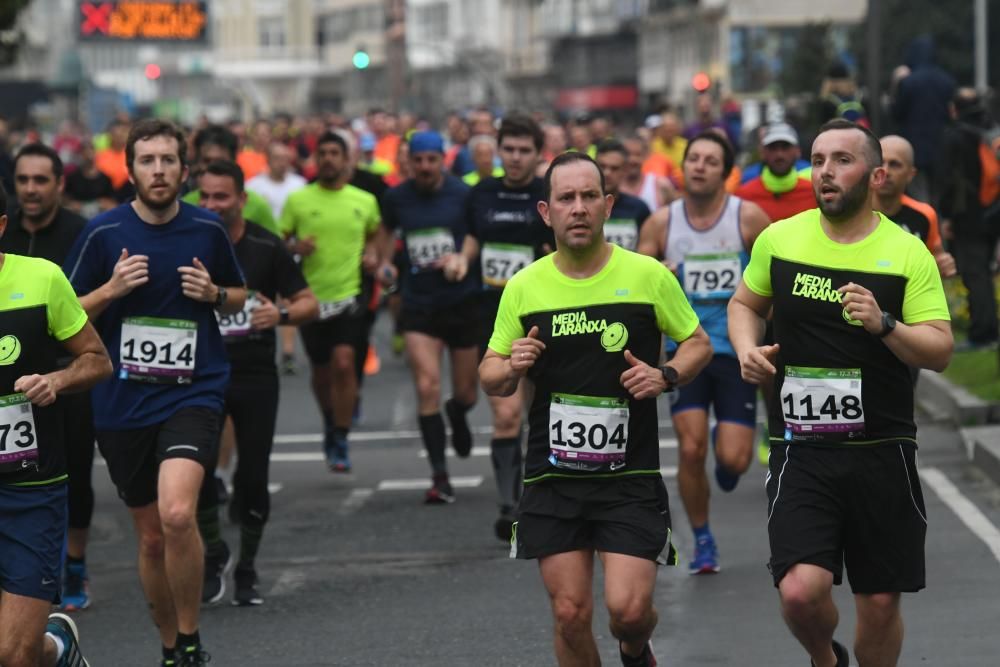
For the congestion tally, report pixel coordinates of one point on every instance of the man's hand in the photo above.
(945, 264)
(525, 351)
(455, 267)
(388, 274)
(860, 305)
(38, 389)
(642, 380)
(369, 260)
(129, 273)
(197, 284)
(757, 364)
(265, 315)
(304, 247)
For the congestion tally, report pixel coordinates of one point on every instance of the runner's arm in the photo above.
(753, 220)
(747, 313)
(652, 233)
(302, 307)
(90, 365)
(924, 345)
(693, 354)
(500, 374)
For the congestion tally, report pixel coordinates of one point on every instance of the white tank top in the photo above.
(723, 237)
(649, 193)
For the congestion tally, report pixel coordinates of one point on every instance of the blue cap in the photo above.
(426, 141)
(367, 142)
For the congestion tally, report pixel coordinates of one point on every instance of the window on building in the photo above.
(271, 31)
(432, 21)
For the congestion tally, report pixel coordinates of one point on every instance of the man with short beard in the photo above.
(151, 275)
(628, 212)
(439, 306)
(857, 301)
(706, 237)
(332, 226)
(42, 228)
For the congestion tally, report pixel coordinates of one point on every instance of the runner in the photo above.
(41, 228)
(914, 216)
(332, 223)
(584, 326)
(252, 396)
(151, 274)
(706, 237)
(856, 301)
(655, 189)
(781, 190)
(439, 303)
(39, 310)
(506, 233)
(628, 212)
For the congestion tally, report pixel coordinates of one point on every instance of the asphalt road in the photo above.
(355, 570)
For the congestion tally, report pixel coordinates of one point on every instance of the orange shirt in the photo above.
(251, 162)
(111, 163)
(386, 149)
(663, 166)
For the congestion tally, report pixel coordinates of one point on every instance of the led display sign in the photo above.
(143, 20)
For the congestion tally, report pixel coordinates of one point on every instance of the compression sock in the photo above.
(250, 537)
(506, 456)
(461, 436)
(210, 528)
(702, 532)
(432, 430)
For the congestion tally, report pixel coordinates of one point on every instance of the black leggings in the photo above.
(78, 425)
(252, 403)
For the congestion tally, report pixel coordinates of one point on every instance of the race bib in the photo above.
(236, 326)
(330, 309)
(18, 441)
(711, 277)
(427, 246)
(587, 433)
(158, 350)
(624, 233)
(502, 260)
(822, 401)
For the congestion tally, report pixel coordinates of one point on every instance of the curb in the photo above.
(978, 421)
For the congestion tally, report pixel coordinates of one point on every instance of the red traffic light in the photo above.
(701, 82)
(152, 71)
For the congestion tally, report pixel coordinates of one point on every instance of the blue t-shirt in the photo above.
(122, 403)
(431, 225)
(625, 221)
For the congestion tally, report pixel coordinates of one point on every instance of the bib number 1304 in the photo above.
(158, 350)
(818, 401)
(587, 432)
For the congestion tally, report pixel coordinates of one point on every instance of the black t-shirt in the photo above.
(86, 189)
(52, 242)
(269, 269)
(509, 228)
(913, 221)
(369, 182)
(625, 220)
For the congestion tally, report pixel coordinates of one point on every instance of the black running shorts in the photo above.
(134, 455)
(628, 515)
(320, 337)
(457, 325)
(861, 507)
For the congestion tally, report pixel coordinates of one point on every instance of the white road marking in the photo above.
(484, 450)
(355, 499)
(969, 514)
(415, 484)
(383, 436)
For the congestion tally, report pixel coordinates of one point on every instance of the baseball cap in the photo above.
(780, 132)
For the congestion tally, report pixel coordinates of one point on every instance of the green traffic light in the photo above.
(361, 60)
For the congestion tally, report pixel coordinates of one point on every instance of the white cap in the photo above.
(780, 132)
(653, 121)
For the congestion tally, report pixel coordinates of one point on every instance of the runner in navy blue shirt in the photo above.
(150, 275)
(628, 212)
(506, 233)
(439, 306)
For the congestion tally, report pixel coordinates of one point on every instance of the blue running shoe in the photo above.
(63, 627)
(340, 461)
(727, 480)
(76, 587)
(706, 557)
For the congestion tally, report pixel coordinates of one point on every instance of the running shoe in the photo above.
(246, 594)
(440, 492)
(169, 662)
(504, 525)
(217, 566)
(843, 655)
(647, 659)
(726, 479)
(192, 656)
(76, 587)
(288, 366)
(706, 557)
(461, 436)
(63, 627)
(336, 451)
(221, 490)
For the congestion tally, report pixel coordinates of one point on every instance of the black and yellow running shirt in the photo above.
(37, 304)
(837, 384)
(582, 421)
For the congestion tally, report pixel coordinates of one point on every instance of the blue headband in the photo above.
(426, 141)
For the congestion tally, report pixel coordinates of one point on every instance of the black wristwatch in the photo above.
(670, 376)
(282, 315)
(888, 324)
(220, 298)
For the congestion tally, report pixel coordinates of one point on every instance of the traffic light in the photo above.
(361, 58)
(701, 82)
(152, 71)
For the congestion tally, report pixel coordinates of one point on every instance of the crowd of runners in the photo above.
(574, 274)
